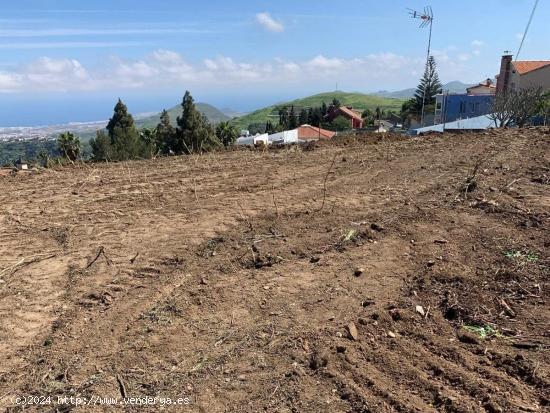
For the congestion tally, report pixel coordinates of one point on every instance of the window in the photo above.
(462, 107)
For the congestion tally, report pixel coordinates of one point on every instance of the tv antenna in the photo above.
(426, 18)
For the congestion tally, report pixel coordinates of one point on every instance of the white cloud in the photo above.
(478, 43)
(169, 69)
(269, 23)
(9, 82)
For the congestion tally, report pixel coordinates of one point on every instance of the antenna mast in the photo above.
(427, 18)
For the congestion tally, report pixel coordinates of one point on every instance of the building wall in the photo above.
(450, 108)
(481, 90)
(536, 78)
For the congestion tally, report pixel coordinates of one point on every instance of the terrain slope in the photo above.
(365, 274)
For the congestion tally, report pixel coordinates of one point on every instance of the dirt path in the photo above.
(219, 278)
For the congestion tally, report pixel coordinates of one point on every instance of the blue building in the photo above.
(453, 107)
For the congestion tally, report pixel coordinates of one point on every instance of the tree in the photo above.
(125, 142)
(69, 146)
(302, 120)
(544, 108)
(324, 109)
(149, 142)
(227, 133)
(165, 134)
(516, 107)
(194, 132)
(340, 123)
(292, 119)
(269, 128)
(336, 103)
(315, 117)
(101, 147)
(428, 88)
(283, 117)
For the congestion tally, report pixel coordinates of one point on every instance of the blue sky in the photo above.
(67, 60)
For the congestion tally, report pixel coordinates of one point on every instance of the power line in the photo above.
(527, 28)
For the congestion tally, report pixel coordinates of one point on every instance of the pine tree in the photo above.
(269, 129)
(194, 132)
(292, 119)
(428, 88)
(303, 117)
(125, 142)
(166, 133)
(324, 109)
(101, 147)
(283, 117)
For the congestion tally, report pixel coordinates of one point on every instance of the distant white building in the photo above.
(283, 138)
(253, 140)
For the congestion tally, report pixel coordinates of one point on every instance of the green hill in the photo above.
(358, 101)
(214, 116)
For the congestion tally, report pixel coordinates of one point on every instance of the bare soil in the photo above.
(365, 274)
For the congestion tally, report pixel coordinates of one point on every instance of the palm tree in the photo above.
(226, 133)
(69, 145)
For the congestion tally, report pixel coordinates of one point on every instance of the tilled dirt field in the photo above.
(366, 274)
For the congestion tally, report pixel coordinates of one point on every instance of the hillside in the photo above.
(213, 114)
(453, 87)
(365, 274)
(357, 100)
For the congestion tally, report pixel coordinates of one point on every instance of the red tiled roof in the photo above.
(350, 112)
(307, 132)
(527, 66)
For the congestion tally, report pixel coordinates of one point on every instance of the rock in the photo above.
(241, 377)
(318, 360)
(441, 241)
(353, 334)
(367, 302)
(467, 337)
(377, 227)
(391, 334)
(395, 314)
(204, 281)
(358, 271)
(430, 263)
(492, 407)
(341, 349)
(420, 310)
(314, 260)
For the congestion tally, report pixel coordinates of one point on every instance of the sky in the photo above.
(70, 60)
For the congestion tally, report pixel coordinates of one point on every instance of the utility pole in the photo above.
(427, 18)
